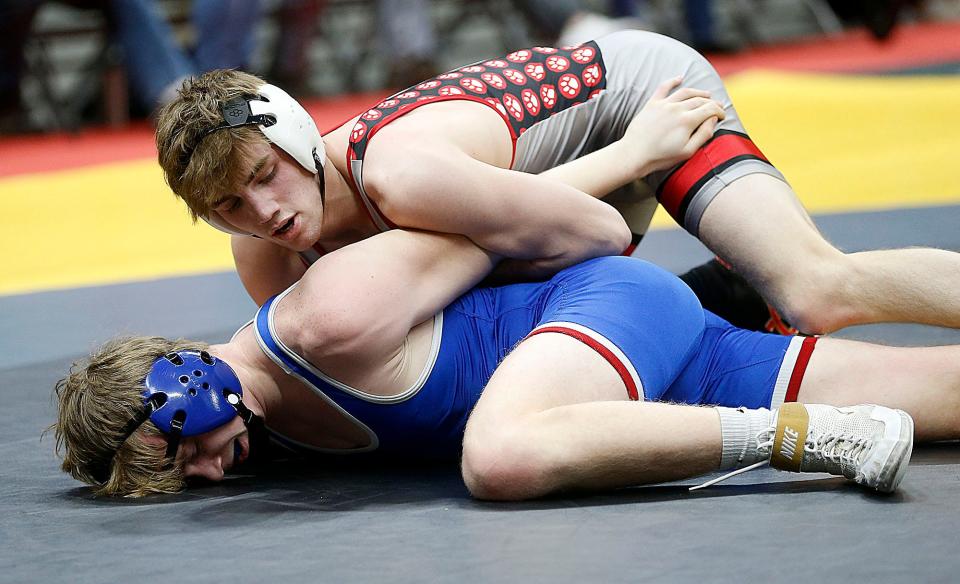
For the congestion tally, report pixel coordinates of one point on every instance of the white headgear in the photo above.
(284, 122)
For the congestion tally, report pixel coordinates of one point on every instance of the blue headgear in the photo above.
(195, 387)
(188, 393)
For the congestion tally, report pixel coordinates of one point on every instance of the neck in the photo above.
(345, 220)
(258, 377)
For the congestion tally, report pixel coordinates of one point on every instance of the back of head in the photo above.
(96, 400)
(200, 168)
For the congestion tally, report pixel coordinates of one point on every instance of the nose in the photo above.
(207, 467)
(263, 208)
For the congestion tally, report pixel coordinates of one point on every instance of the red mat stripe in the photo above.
(61, 151)
(855, 51)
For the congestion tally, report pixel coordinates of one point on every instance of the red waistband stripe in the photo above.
(724, 149)
(604, 348)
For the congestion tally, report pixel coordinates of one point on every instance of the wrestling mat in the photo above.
(867, 135)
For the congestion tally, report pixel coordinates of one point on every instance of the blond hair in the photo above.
(96, 400)
(202, 168)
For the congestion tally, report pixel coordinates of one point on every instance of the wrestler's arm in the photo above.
(265, 269)
(513, 214)
(669, 129)
(355, 306)
(548, 220)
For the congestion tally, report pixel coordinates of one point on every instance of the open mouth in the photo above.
(285, 228)
(239, 452)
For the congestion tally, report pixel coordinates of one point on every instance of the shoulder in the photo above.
(322, 328)
(331, 311)
(264, 268)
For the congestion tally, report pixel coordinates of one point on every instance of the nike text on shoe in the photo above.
(868, 444)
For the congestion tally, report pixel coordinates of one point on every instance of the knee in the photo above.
(495, 468)
(819, 296)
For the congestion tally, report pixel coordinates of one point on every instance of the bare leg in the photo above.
(555, 416)
(923, 381)
(758, 225)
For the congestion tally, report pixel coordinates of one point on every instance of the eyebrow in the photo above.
(257, 168)
(253, 174)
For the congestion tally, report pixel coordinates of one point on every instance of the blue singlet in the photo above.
(642, 319)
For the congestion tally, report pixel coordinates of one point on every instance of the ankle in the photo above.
(739, 429)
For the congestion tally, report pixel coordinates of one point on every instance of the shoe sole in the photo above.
(898, 442)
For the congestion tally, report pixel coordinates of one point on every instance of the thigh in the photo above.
(614, 329)
(545, 371)
(637, 62)
(641, 319)
(758, 225)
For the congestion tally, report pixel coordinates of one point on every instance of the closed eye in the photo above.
(228, 205)
(269, 177)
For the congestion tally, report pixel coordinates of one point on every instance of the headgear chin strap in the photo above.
(187, 393)
(284, 122)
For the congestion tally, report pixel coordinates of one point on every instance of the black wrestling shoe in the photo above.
(729, 296)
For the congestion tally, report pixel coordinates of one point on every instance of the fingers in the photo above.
(685, 93)
(701, 135)
(664, 89)
(704, 108)
(693, 103)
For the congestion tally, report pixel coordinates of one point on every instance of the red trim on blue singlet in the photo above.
(796, 378)
(604, 352)
(686, 179)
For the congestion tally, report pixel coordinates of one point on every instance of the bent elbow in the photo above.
(608, 234)
(620, 237)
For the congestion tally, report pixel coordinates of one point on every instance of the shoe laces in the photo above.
(840, 452)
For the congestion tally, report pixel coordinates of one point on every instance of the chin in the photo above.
(304, 241)
(299, 245)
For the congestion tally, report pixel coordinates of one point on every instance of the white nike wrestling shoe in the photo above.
(868, 444)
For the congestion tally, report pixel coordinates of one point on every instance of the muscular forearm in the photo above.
(600, 172)
(512, 214)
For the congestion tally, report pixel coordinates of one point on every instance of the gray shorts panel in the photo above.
(636, 62)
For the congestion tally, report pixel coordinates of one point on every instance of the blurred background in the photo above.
(855, 100)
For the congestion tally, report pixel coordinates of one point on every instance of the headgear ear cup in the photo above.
(187, 393)
(294, 132)
(194, 383)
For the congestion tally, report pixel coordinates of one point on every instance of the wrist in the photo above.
(645, 162)
(636, 161)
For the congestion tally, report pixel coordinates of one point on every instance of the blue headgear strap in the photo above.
(187, 393)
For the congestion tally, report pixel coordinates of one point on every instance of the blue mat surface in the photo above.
(325, 522)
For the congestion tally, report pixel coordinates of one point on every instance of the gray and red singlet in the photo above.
(562, 103)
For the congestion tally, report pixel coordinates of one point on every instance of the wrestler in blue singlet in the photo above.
(643, 320)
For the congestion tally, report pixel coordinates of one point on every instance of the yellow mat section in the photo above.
(854, 143)
(845, 143)
(100, 224)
